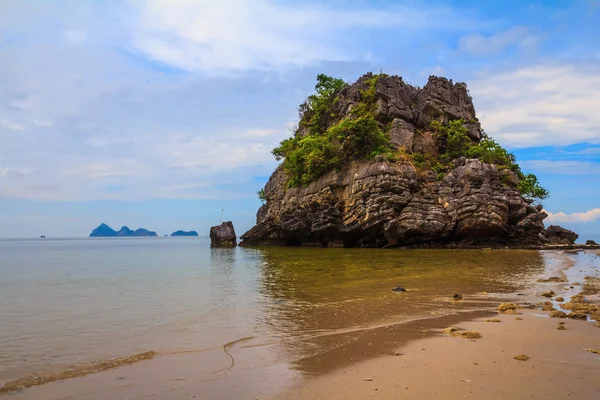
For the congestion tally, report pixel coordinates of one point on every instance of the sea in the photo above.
(69, 301)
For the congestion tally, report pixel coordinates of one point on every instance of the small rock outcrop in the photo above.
(590, 243)
(104, 230)
(559, 235)
(184, 233)
(392, 202)
(223, 235)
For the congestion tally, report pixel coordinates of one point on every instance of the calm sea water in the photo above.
(70, 301)
(588, 236)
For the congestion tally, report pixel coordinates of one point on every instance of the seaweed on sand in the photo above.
(468, 334)
(552, 279)
(561, 327)
(504, 307)
(450, 329)
(578, 315)
(558, 314)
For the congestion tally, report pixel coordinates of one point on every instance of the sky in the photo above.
(161, 113)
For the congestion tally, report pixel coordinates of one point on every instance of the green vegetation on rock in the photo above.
(331, 141)
(326, 141)
(315, 112)
(262, 196)
(453, 142)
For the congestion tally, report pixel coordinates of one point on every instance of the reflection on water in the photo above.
(63, 302)
(327, 297)
(315, 289)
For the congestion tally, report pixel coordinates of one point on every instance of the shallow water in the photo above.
(71, 301)
(583, 237)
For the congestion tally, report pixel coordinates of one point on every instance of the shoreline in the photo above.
(169, 375)
(441, 246)
(524, 354)
(447, 367)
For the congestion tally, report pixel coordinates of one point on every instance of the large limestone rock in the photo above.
(378, 203)
(223, 235)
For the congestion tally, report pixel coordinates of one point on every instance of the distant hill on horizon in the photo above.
(184, 233)
(104, 230)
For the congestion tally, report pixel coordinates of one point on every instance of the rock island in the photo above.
(383, 163)
(104, 230)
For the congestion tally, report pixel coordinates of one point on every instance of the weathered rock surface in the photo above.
(559, 235)
(377, 203)
(407, 108)
(223, 235)
(590, 243)
(401, 134)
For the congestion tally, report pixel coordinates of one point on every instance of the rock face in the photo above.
(407, 108)
(104, 230)
(374, 203)
(223, 235)
(377, 204)
(559, 235)
(184, 233)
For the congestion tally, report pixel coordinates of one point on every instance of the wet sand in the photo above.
(244, 372)
(447, 367)
(412, 360)
(524, 356)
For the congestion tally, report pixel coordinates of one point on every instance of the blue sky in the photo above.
(159, 114)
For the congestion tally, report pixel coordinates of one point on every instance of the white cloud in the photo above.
(42, 123)
(437, 71)
(562, 167)
(10, 125)
(261, 133)
(214, 152)
(481, 45)
(588, 216)
(108, 123)
(16, 171)
(587, 151)
(259, 34)
(543, 105)
(114, 169)
(75, 36)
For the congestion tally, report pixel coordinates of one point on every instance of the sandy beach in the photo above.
(414, 359)
(429, 365)
(524, 355)
(446, 367)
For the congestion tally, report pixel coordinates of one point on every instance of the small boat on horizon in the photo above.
(42, 237)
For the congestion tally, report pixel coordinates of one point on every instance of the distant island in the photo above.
(184, 233)
(104, 230)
